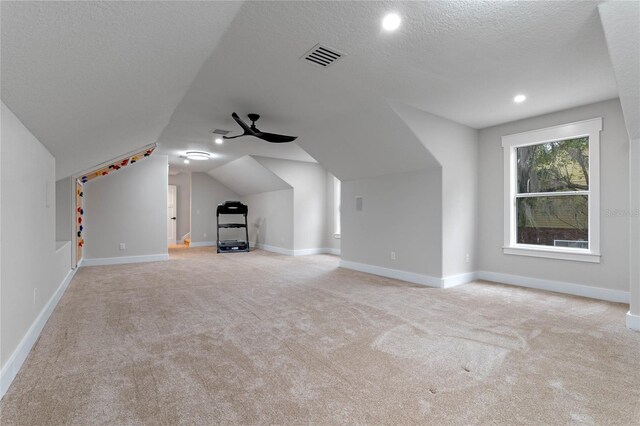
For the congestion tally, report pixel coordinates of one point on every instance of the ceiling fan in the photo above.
(253, 131)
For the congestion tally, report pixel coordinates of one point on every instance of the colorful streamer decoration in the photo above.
(117, 165)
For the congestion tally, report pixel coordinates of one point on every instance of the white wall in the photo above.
(28, 254)
(455, 147)
(402, 213)
(309, 199)
(182, 181)
(206, 194)
(271, 219)
(127, 206)
(613, 271)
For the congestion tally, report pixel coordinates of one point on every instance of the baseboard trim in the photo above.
(203, 244)
(633, 321)
(124, 260)
(557, 286)
(274, 249)
(18, 357)
(397, 274)
(299, 252)
(456, 280)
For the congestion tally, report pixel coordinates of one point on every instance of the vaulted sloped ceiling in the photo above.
(94, 80)
(246, 176)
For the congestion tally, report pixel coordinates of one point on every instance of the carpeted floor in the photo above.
(260, 338)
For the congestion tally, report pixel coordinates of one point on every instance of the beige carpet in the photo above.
(260, 338)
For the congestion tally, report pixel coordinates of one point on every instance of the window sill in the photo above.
(551, 253)
(336, 236)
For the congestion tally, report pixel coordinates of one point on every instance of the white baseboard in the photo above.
(633, 321)
(274, 249)
(397, 274)
(123, 260)
(17, 358)
(306, 252)
(455, 280)
(557, 286)
(203, 244)
(299, 252)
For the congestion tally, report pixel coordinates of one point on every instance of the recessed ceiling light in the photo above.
(186, 161)
(198, 155)
(219, 141)
(519, 99)
(391, 22)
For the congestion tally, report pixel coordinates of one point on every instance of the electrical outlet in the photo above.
(467, 258)
(393, 255)
(35, 295)
(204, 235)
(359, 204)
(123, 246)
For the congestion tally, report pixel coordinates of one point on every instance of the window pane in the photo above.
(560, 221)
(554, 166)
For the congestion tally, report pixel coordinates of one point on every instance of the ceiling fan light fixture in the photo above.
(198, 155)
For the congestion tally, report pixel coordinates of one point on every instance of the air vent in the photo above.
(220, 132)
(322, 56)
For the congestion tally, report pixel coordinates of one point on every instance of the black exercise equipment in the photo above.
(230, 246)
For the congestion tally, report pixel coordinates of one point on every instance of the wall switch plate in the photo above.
(123, 246)
(35, 295)
(393, 255)
(204, 235)
(467, 258)
(359, 204)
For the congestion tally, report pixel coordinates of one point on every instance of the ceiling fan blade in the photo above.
(274, 138)
(247, 129)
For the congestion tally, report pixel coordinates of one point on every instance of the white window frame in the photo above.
(588, 128)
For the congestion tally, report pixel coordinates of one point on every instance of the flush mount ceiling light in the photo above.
(198, 155)
(186, 161)
(391, 22)
(519, 99)
(219, 141)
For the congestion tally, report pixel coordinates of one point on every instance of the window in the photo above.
(552, 192)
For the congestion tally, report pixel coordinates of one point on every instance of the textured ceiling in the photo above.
(461, 60)
(93, 80)
(621, 23)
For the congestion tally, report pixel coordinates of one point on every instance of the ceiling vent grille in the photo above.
(220, 132)
(322, 56)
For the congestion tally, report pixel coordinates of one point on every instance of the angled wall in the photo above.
(455, 147)
(308, 181)
(35, 269)
(620, 24)
(130, 207)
